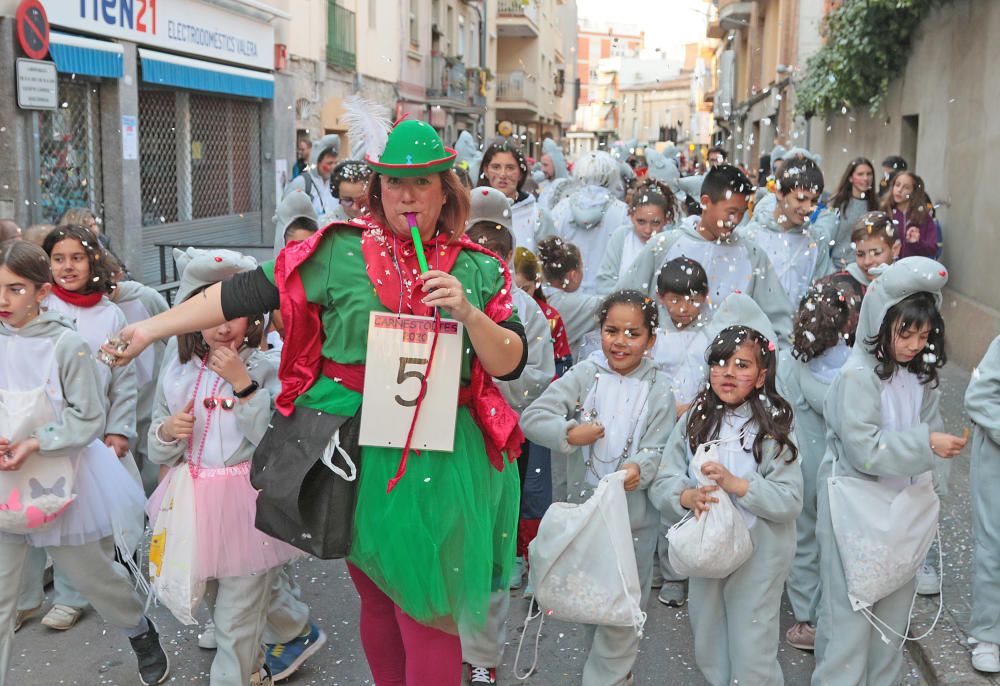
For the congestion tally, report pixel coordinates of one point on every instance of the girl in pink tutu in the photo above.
(213, 403)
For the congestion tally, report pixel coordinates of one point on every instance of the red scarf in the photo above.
(301, 357)
(78, 299)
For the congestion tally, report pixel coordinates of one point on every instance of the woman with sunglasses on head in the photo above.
(213, 403)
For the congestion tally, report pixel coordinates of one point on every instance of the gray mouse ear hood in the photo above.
(199, 268)
(330, 141)
(550, 148)
(739, 309)
(295, 205)
(899, 281)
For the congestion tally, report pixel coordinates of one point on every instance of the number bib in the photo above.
(399, 347)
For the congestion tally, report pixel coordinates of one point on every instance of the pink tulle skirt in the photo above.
(229, 545)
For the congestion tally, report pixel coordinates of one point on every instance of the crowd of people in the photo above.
(769, 350)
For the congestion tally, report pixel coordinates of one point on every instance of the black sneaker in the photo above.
(154, 667)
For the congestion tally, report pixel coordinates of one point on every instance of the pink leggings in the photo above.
(400, 650)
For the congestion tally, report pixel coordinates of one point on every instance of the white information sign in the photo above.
(192, 27)
(130, 137)
(399, 347)
(37, 85)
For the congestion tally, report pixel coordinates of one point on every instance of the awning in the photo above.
(86, 56)
(184, 72)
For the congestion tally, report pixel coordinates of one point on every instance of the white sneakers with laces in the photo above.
(986, 656)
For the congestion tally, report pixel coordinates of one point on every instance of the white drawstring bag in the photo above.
(717, 543)
(173, 548)
(582, 563)
(883, 533)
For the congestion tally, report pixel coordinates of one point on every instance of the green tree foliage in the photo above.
(867, 44)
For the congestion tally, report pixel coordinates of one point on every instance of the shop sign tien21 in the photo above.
(194, 27)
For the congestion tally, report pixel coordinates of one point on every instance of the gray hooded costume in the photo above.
(552, 191)
(982, 402)
(316, 186)
(799, 255)
(857, 407)
(469, 154)
(549, 419)
(294, 206)
(804, 385)
(735, 619)
(84, 562)
(589, 216)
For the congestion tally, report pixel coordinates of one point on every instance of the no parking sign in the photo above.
(32, 29)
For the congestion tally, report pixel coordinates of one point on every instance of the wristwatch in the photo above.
(248, 391)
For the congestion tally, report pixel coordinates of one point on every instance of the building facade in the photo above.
(761, 45)
(600, 51)
(534, 88)
(163, 126)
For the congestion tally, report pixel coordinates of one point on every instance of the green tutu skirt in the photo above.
(444, 539)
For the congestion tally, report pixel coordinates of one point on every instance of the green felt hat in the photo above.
(413, 149)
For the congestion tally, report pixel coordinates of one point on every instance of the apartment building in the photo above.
(762, 43)
(535, 81)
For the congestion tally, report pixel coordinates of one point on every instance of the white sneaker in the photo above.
(517, 573)
(206, 639)
(986, 657)
(928, 581)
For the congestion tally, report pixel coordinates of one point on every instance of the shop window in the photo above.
(68, 164)
(200, 156)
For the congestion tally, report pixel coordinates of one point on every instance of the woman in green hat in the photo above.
(433, 534)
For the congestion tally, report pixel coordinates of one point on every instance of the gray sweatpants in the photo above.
(287, 615)
(613, 649)
(239, 610)
(90, 568)
(662, 554)
(32, 592)
(484, 647)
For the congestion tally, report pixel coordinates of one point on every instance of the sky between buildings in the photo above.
(668, 24)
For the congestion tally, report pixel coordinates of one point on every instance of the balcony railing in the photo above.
(340, 36)
(518, 8)
(516, 87)
(448, 79)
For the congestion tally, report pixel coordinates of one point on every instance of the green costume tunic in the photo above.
(443, 539)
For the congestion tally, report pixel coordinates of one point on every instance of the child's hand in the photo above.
(118, 443)
(585, 434)
(12, 456)
(682, 408)
(912, 234)
(632, 480)
(180, 424)
(698, 499)
(946, 445)
(725, 479)
(226, 363)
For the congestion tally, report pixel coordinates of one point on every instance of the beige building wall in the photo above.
(940, 115)
(379, 30)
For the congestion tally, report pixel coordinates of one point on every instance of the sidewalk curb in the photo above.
(942, 658)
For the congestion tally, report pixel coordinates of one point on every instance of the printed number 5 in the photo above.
(403, 374)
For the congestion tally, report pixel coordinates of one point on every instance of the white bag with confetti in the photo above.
(582, 563)
(717, 543)
(883, 533)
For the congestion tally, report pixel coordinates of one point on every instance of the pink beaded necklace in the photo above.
(194, 464)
